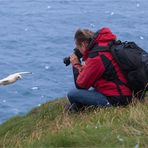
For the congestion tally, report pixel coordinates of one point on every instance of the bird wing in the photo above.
(24, 72)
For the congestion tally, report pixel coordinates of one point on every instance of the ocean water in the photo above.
(35, 35)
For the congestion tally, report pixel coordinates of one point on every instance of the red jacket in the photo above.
(91, 73)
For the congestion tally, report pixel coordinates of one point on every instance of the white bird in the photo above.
(13, 78)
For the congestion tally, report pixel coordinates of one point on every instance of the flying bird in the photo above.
(13, 78)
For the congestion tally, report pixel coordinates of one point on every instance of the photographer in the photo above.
(108, 89)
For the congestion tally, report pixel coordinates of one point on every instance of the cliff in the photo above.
(50, 126)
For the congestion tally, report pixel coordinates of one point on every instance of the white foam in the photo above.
(49, 7)
(26, 29)
(112, 13)
(4, 101)
(141, 37)
(35, 88)
(46, 67)
(138, 5)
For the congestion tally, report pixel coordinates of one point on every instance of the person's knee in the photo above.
(72, 95)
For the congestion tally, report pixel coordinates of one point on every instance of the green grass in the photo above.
(51, 126)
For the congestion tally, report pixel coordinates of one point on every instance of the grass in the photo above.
(50, 126)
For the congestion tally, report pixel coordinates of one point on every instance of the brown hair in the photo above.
(83, 35)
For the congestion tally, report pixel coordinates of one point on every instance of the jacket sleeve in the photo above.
(76, 70)
(90, 72)
(75, 74)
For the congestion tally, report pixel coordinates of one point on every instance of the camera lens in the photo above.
(66, 61)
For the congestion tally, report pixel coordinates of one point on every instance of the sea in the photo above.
(35, 36)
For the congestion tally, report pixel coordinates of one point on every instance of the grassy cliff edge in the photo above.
(50, 126)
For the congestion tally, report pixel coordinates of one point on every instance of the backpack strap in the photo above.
(94, 52)
(96, 48)
(110, 74)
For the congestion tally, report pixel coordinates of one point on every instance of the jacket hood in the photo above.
(103, 37)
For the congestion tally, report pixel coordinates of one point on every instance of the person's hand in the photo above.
(74, 59)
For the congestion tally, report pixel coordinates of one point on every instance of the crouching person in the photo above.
(98, 79)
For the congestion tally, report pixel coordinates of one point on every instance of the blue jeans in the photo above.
(82, 97)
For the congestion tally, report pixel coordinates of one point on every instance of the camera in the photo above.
(66, 60)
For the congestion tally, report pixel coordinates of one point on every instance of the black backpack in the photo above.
(133, 62)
